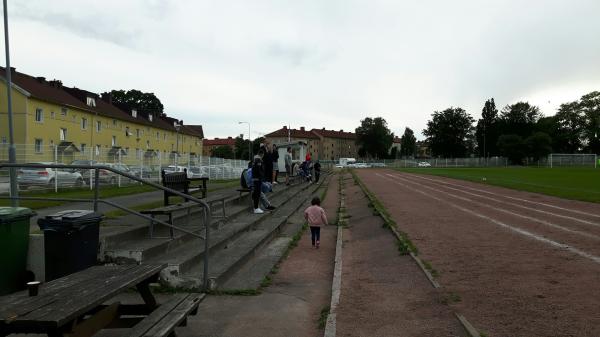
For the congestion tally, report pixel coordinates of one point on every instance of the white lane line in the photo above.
(518, 230)
(513, 198)
(500, 209)
(512, 203)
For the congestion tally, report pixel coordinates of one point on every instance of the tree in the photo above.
(519, 118)
(408, 143)
(450, 133)
(135, 99)
(223, 151)
(241, 148)
(373, 137)
(487, 130)
(590, 107)
(538, 145)
(512, 147)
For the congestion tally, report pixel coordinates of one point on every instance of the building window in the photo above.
(137, 153)
(83, 123)
(39, 115)
(63, 134)
(113, 142)
(63, 112)
(137, 133)
(82, 148)
(97, 150)
(98, 126)
(3, 139)
(126, 151)
(91, 102)
(165, 136)
(134, 113)
(38, 146)
(147, 144)
(150, 118)
(114, 122)
(127, 133)
(158, 136)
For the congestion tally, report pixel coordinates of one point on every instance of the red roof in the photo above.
(334, 134)
(293, 133)
(219, 142)
(54, 92)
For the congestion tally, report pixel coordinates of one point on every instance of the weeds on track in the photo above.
(450, 298)
(323, 317)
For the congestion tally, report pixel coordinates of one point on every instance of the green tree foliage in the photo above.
(569, 128)
(512, 147)
(373, 137)
(539, 145)
(135, 99)
(408, 143)
(589, 105)
(223, 151)
(519, 118)
(450, 133)
(256, 144)
(488, 130)
(241, 148)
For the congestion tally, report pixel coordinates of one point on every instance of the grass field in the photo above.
(571, 183)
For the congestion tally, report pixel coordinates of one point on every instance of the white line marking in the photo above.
(511, 203)
(500, 209)
(509, 197)
(521, 231)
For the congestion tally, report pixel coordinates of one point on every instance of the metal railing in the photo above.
(96, 200)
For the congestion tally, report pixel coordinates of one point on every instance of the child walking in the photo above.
(316, 217)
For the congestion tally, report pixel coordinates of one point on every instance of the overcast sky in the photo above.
(314, 63)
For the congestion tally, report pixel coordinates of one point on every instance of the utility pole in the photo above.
(12, 152)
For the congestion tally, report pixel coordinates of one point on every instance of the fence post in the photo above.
(96, 188)
(56, 170)
(119, 181)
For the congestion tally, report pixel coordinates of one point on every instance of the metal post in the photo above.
(119, 182)
(12, 151)
(206, 247)
(55, 170)
(96, 188)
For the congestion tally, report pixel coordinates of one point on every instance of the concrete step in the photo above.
(136, 246)
(142, 248)
(252, 273)
(225, 262)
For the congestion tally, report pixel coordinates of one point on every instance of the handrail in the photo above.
(96, 200)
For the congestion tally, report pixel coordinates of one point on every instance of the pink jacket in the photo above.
(316, 216)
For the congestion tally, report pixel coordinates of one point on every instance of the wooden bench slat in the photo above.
(163, 320)
(177, 316)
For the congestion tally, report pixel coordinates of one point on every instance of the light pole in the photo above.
(12, 152)
(249, 140)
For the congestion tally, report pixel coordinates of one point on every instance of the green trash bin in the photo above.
(14, 242)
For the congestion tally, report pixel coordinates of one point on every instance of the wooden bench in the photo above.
(180, 182)
(163, 320)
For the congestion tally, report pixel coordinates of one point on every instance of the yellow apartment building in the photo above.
(57, 123)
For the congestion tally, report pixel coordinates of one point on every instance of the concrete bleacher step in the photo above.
(141, 248)
(227, 261)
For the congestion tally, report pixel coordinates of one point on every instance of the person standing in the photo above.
(275, 164)
(288, 165)
(257, 178)
(307, 158)
(268, 163)
(317, 168)
(316, 217)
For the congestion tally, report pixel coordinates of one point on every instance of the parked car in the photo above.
(48, 177)
(177, 168)
(145, 172)
(423, 164)
(378, 165)
(197, 172)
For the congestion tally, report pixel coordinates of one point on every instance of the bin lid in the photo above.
(8, 214)
(69, 218)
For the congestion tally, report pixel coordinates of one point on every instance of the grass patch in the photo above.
(323, 317)
(430, 269)
(450, 298)
(569, 183)
(403, 248)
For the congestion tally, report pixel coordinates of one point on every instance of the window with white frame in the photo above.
(113, 142)
(137, 133)
(63, 112)
(97, 149)
(52, 114)
(147, 144)
(127, 131)
(82, 147)
(84, 123)
(134, 113)
(38, 145)
(63, 134)
(158, 136)
(150, 118)
(91, 101)
(39, 115)
(98, 126)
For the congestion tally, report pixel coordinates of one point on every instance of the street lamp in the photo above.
(249, 140)
(12, 152)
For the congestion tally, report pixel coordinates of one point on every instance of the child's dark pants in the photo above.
(315, 234)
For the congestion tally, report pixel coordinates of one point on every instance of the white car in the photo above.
(423, 164)
(48, 177)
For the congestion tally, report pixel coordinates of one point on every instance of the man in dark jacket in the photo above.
(317, 168)
(257, 179)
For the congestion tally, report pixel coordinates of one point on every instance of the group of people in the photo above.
(261, 175)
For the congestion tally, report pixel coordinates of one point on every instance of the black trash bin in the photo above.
(70, 241)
